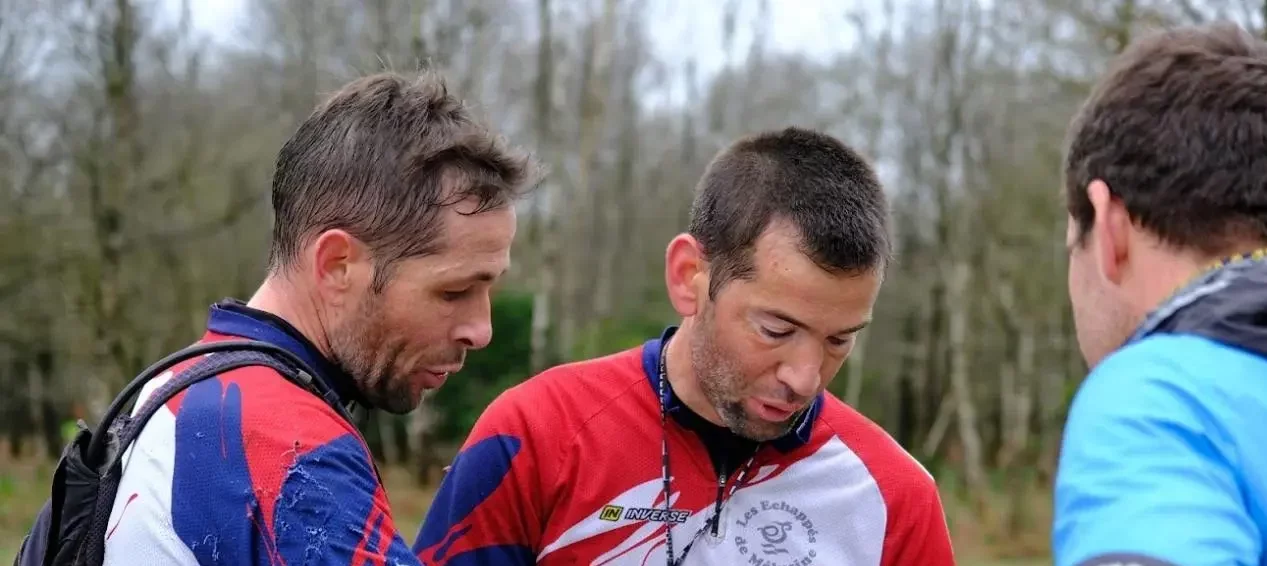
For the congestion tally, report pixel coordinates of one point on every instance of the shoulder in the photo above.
(249, 410)
(904, 483)
(252, 427)
(533, 426)
(887, 460)
(563, 397)
(1186, 360)
(1182, 393)
(1163, 428)
(915, 528)
(247, 440)
(260, 406)
(1187, 380)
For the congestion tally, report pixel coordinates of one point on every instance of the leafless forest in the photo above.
(136, 158)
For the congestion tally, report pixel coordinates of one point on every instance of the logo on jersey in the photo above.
(653, 514)
(774, 532)
(610, 512)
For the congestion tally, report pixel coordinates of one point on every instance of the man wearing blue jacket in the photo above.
(1164, 457)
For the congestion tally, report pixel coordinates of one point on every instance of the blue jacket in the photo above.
(1164, 456)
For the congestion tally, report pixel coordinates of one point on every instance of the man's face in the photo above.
(1100, 318)
(414, 333)
(768, 345)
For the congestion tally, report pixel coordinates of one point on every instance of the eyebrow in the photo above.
(482, 276)
(792, 320)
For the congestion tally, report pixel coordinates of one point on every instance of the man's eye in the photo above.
(837, 341)
(455, 295)
(775, 334)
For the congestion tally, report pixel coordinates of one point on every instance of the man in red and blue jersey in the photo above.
(392, 222)
(715, 443)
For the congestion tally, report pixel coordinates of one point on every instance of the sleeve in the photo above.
(1145, 475)
(917, 533)
(490, 507)
(275, 476)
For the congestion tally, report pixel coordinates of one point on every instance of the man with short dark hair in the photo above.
(393, 218)
(715, 443)
(1164, 461)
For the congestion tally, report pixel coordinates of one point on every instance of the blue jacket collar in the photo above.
(1225, 304)
(232, 317)
(795, 438)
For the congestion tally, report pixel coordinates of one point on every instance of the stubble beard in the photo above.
(722, 384)
(362, 350)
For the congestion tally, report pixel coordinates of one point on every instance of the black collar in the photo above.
(726, 448)
(232, 317)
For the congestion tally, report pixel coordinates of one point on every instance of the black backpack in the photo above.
(70, 529)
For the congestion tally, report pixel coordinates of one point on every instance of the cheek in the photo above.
(412, 314)
(756, 363)
(407, 332)
(835, 360)
(732, 352)
(1077, 274)
(419, 333)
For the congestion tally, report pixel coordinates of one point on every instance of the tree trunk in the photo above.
(543, 229)
(965, 408)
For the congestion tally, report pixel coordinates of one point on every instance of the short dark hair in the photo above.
(1177, 128)
(823, 187)
(380, 158)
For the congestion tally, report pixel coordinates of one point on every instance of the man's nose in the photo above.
(802, 375)
(475, 334)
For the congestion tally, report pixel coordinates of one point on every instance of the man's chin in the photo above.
(399, 405)
(399, 401)
(758, 430)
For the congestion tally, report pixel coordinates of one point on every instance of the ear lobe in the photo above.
(1111, 227)
(684, 265)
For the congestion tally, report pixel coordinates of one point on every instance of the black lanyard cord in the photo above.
(715, 520)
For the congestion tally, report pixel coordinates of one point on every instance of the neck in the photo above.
(681, 375)
(283, 299)
(1169, 275)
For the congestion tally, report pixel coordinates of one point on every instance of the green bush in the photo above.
(505, 362)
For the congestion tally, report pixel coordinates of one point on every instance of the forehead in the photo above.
(788, 281)
(474, 245)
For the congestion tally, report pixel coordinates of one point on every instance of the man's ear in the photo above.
(1112, 231)
(339, 263)
(685, 274)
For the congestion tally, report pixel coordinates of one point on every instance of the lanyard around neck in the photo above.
(664, 394)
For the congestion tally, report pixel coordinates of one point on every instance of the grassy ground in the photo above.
(24, 487)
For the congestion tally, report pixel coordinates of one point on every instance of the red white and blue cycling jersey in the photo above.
(248, 468)
(565, 468)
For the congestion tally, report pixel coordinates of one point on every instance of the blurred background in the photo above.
(137, 140)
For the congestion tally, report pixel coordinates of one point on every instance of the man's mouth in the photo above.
(436, 377)
(772, 411)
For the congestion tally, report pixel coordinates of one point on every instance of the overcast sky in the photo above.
(812, 27)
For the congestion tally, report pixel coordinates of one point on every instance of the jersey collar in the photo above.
(795, 438)
(232, 317)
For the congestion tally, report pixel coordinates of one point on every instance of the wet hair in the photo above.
(823, 187)
(380, 158)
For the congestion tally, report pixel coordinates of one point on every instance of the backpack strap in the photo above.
(298, 372)
(210, 366)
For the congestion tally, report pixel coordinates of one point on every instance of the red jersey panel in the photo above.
(565, 468)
